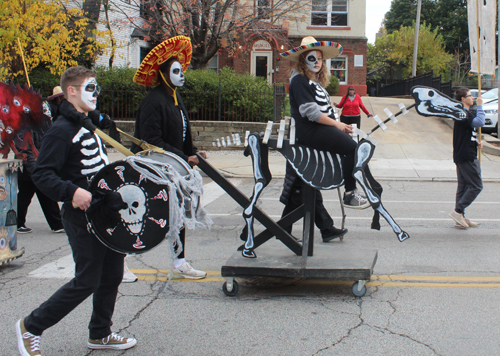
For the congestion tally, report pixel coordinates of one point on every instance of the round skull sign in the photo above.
(140, 226)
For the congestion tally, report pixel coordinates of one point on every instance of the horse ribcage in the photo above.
(319, 169)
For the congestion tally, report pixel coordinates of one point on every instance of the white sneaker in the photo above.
(128, 277)
(187, 271)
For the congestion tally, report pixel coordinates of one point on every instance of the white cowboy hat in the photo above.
(309, 43)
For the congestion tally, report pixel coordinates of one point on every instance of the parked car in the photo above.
(491, 116)
(475, 92)
(489, 95)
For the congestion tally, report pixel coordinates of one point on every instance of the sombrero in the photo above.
(178, 47)
(56, 92)
(309, 43)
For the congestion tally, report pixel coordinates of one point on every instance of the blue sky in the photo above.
(375, 11)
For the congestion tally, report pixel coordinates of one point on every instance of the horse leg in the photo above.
(262, 177)
(364, 152)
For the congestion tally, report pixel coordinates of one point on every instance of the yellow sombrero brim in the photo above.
(178, 47)
(329, 49)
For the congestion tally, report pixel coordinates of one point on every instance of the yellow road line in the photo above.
(375, 281)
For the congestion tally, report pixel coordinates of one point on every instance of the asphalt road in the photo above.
(434, 294)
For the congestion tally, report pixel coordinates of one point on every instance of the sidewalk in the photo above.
(416, 148)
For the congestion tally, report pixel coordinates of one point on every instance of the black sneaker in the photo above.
(24, 230)
(332, 233)
(354, 200)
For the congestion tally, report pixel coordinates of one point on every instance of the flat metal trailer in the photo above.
(331, 261)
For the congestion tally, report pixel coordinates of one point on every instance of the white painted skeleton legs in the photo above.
(260, 183)
(364, 152)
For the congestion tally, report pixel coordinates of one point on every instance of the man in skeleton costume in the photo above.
(465, 146)
(162, 119)
(315, 119)
(70, 155)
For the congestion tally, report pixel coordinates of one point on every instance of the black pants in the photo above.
(469, 186)
(50, 208)
(182, 237)
(98, 271)
(349, 120)
(329, 138)
(322, 219)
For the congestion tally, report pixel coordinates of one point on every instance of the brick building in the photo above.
(341, 21)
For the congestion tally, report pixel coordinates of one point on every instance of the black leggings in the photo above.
(349, 120)
(329, 138)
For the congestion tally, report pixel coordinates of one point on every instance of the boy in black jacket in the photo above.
(465, 146)
(69, 157)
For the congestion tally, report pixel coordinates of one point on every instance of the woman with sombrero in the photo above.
(313, 113)
(162, 119)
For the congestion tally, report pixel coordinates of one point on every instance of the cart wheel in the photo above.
(230, 293)
(356, 292)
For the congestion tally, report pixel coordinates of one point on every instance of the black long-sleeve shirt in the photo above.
(69, 157)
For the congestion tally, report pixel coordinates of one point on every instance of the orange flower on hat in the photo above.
(178, 47)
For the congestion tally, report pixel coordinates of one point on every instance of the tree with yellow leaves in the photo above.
(51, 34)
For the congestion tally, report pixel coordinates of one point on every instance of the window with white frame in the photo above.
(214, 63)
(338, 68)
(263, 8)
(329, 13)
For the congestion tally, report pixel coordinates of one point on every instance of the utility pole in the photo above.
(415, 45)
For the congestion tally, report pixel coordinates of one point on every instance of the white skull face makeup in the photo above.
(314, 61)
(176, 74)
(89, 96)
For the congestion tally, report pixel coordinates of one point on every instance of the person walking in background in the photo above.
(350, 105)
(465, 146)
(55, 101)
(27, 189)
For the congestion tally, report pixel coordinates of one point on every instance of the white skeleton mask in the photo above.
(89, 98)
(312, 61)
(133, 215)
(176, 74)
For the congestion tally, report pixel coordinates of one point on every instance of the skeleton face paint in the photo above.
(89, 92)
(314, 61)
(176, 74)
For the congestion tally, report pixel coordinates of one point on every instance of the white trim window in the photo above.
(329, 13)
(338, 68)
(263, 8)
(214, 63)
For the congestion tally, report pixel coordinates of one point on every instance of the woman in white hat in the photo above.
(315, 118)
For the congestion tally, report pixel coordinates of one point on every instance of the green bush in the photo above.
(243, 97)
(120, 96)
(333, 87)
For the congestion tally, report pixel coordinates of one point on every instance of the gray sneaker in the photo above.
(112, 342)
(27, 343)
(459, 219)
(354, 200)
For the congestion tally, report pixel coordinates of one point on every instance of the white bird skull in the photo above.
(133, 215)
